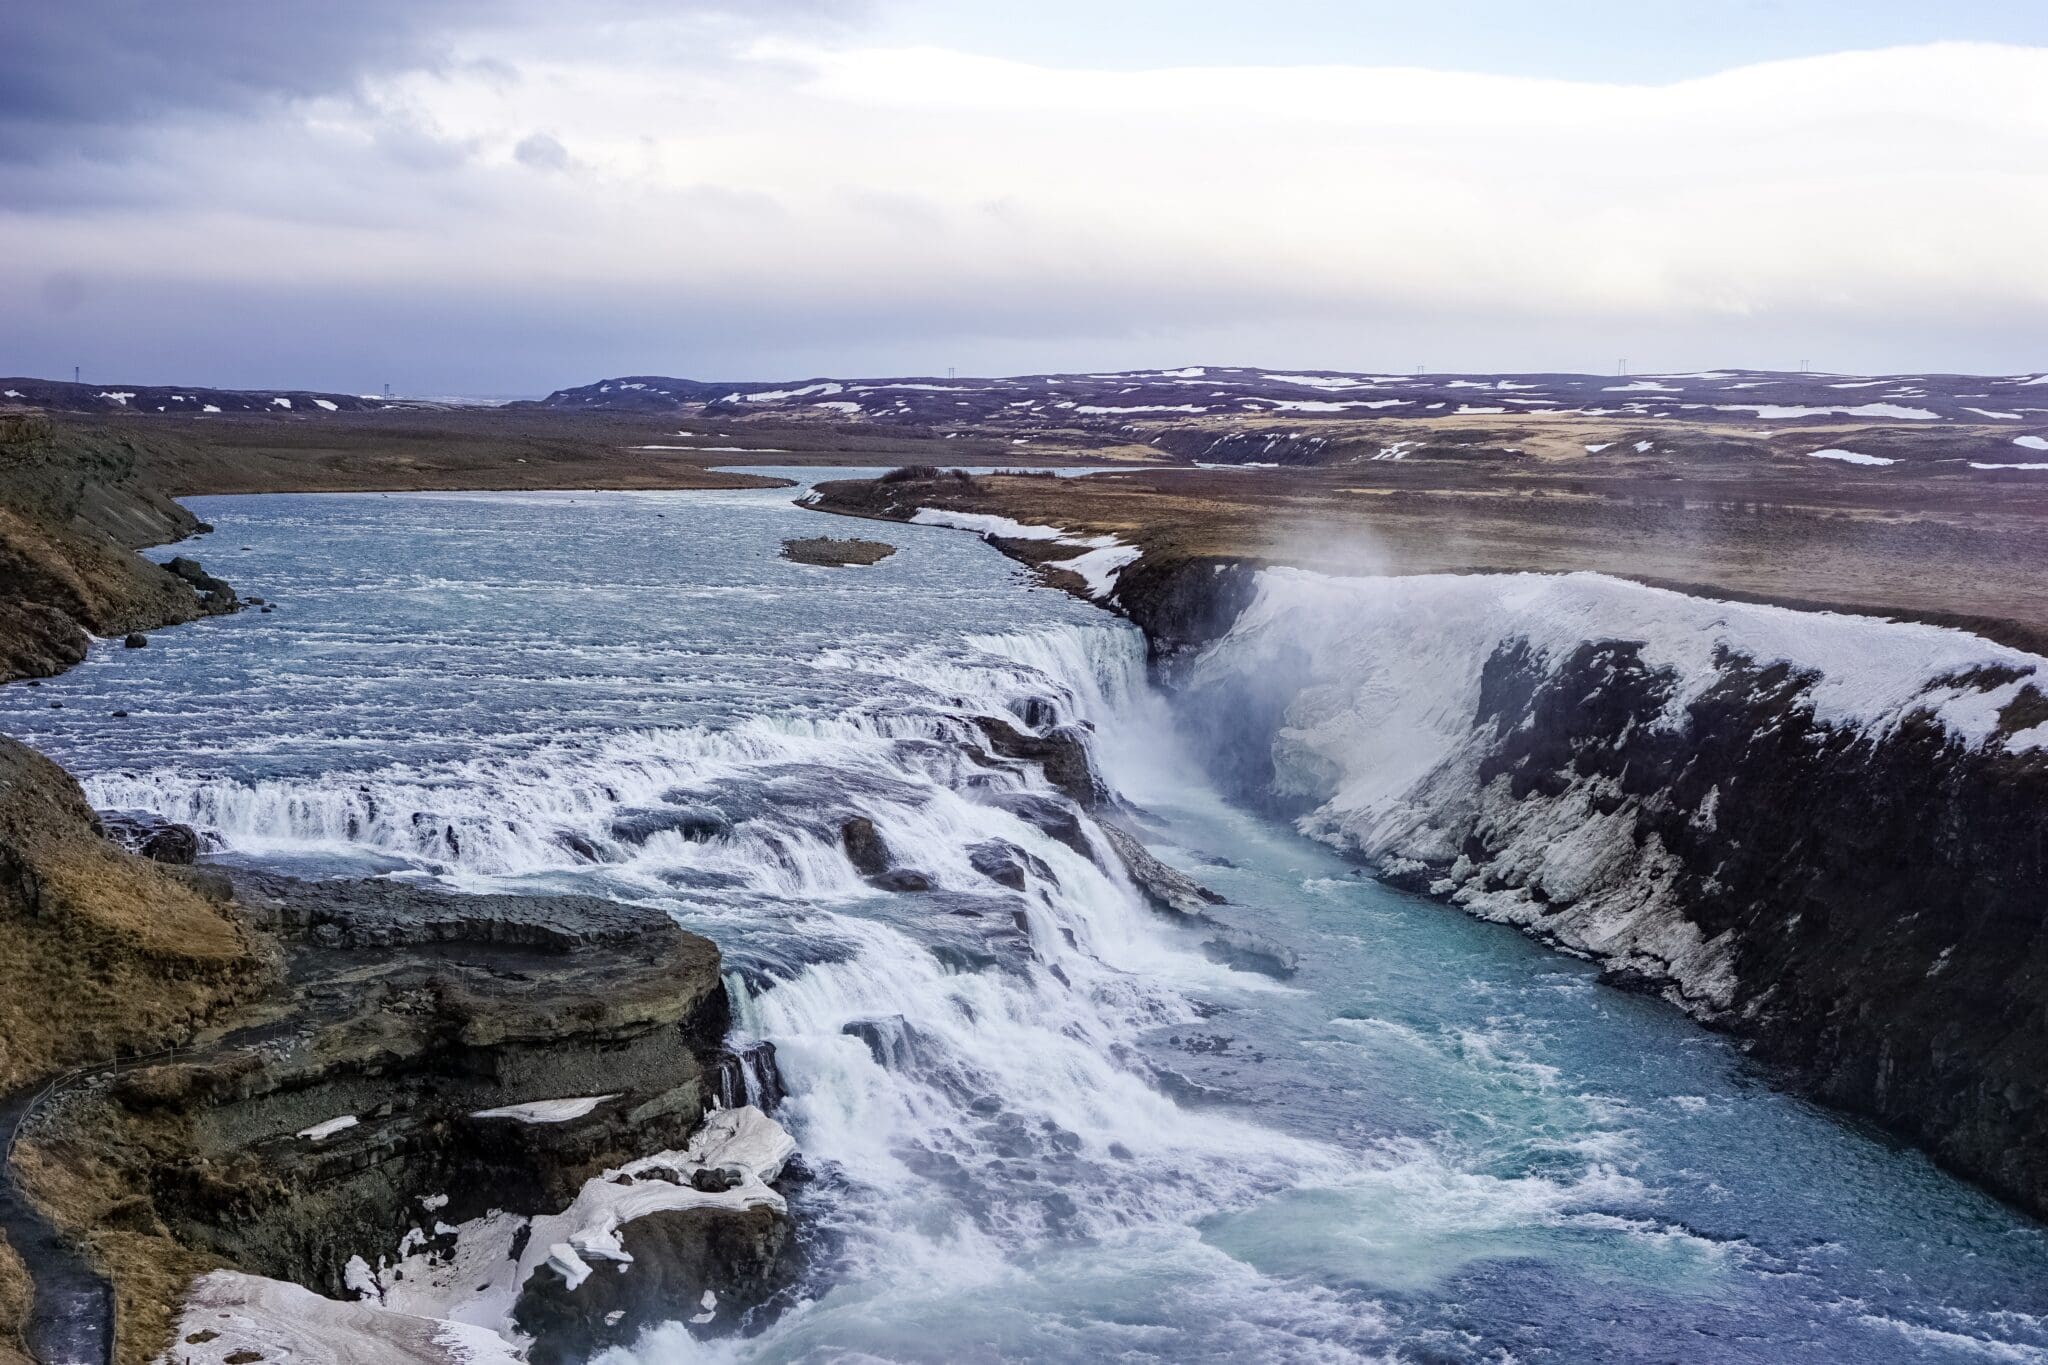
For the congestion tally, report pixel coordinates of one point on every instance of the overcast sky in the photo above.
(493, 197)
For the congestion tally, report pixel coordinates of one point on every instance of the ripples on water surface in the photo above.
(1043, 1124)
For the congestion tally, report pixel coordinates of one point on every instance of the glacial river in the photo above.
(1082, 1138)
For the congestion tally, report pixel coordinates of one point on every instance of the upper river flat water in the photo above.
(1043, 1123)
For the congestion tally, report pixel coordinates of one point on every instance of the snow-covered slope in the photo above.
(1389, 736)
(1822, 832)
(1116, 400)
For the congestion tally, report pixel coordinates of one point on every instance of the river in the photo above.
(1038, 1124)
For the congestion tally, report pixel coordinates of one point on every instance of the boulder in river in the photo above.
(696, 824)
(152, 836)
(215, 594)
(871, 856)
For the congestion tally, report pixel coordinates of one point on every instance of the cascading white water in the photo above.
(1041, 1120)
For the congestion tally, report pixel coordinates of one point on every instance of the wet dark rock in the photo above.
(1061, 754)
(1049, 815)
(865, 847)
(215, 594)
(893, 1043)
(682, 1260)
(1249, 952)
(1184, 604)
(871, 856)
(579, 845)
(152, 836)
(1167, 888)
(1007, 865)
(1879, 896)
(697, 824)
(749, 1075)
(135, 639)
(1036, 713)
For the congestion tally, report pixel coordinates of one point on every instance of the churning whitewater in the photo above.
(1035, 1118)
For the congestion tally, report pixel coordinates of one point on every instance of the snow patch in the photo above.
(1095, 410)
(778, 395)
(246, 1316)
(1099, 567)
(546, 1111)
(1774, 412)
(986, 524)
(320, 1132)
(1849, 457)
(1318, 381)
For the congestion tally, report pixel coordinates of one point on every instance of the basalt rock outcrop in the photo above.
(1866, 911)
(433, 1060)
(74, 507)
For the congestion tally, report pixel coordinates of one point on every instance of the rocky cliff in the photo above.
(1821, 833)
(370, 1081)
(438, 1069)
(74, 506)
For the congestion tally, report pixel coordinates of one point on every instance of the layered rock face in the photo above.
(73, 508)
(438, 1063)
(1820, 833)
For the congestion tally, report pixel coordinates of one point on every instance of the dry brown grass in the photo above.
(14, 1304)
(101, 953)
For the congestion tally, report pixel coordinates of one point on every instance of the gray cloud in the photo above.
(542, 152)
(72, 73)
(77, 75)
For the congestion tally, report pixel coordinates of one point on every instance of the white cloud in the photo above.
(1901, 190)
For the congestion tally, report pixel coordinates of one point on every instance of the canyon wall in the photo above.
(1827, 835)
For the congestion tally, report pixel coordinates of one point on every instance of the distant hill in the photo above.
(54, 395)
(1106, 400)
